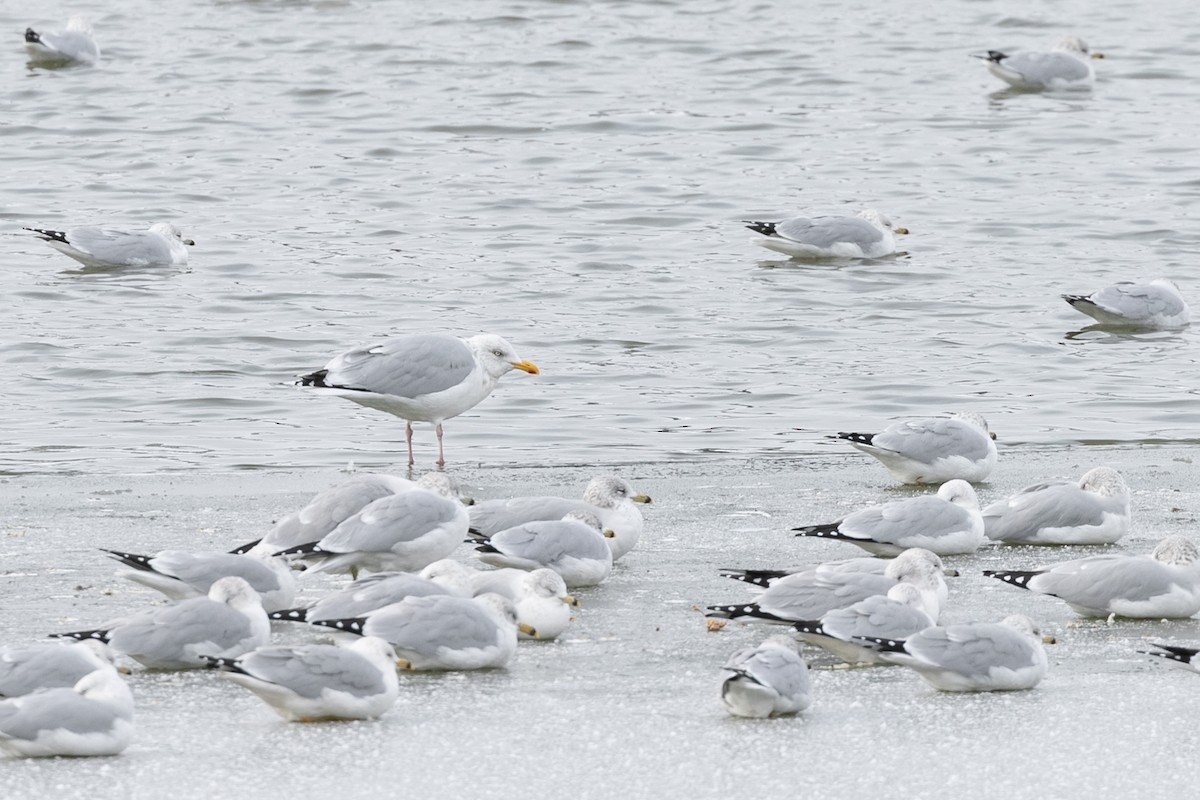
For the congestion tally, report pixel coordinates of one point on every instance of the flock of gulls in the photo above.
(407, 604)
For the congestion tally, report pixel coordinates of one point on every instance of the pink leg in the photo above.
(408, 438)
(441, 462)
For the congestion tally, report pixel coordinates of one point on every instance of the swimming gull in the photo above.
(420, 377)
(868, 235)
(92, 718)
(610, 499)
(442, 632)
(573, 547)
(72, 44)
(160, 246)
(228, 622)
(973, 657)
(316, 682)
(766, 681)
(932, 449)
(1092, 510)
(1156, 305)
(948, 523)
(181, 575)
(897, 615)
(1162, 585)
(1067, 66)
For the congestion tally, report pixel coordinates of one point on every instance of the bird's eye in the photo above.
(498, 353)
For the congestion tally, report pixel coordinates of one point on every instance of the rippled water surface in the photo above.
(573, 176)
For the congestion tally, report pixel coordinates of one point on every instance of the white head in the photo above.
(975, 419)
(609, 491)
(439, 483)
(960, 493)
(1105, 482)
(234, 592)
(546, 583)
(1177, 550)
(497, 356)
(500, 608)
(906, 594)
(450, 575)
(875, 218)
(374, 648)
(1023, 624)
(105, 684)
(783, 641)
(1072, 44)
(169, 231)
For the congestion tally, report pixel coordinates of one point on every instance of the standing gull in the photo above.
(611, 500)
(1164, 584)
(973, 657)
(420, 377)
(868, 235)
(1156, 305)
(1092, 510)
(947, 523)
(72, 44)
(228, 622)
(160, 246)
(766, 681)
(92, 718)
(1067, 66)
(932, 449)
(315, 682)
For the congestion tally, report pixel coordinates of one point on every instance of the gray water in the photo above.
(573, 176)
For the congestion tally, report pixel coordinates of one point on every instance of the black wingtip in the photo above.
(755, 577)
(1018, 578)
(995, 56)
(290, 615)
(49, 235)
(351, 625)
(812, 626)
(856, 438)
(242, 549)
(827, 531)
(130, 559)
(301, 550)
(80, 636)
(223, 664)
(314, 379)
(1183, 655)
(882, 645)
(33, 37)
(765, 228)
(739, 610)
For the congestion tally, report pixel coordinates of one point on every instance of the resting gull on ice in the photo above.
(766, 681)
(315, 682)
(94, 717)
(932, 449)
(946, 523)
(1092, 510)
(1164, 584)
